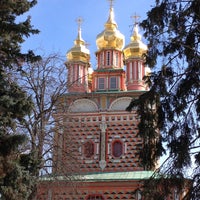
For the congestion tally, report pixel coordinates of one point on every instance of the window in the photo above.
(101, 83)
(101, 59)
(108, 58)
(71, 74)
(139, 71)
(89, 149)
(116, 58)
(80, 74)
(117, 148)
(113, 83)
(95, 197)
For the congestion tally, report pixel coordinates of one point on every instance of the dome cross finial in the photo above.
(111, 3)
(135, 18)
(79, 39)
(79, 21)
(134, 30)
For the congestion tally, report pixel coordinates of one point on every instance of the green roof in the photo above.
(104, 92)
(107, 176)
(109, 70)
(133, 175)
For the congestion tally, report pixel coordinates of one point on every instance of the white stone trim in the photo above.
(83, 105)
(120, 103)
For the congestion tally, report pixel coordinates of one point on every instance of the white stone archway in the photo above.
(83, 105)
(120, 104)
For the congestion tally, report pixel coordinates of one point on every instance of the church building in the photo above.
(93, 121)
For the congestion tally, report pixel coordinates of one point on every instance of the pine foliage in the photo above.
(170, 110)
(15, 180)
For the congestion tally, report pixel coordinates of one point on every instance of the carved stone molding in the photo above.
(83, 105)
(120, 103)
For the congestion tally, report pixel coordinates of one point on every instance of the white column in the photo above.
(131, 71)
(103, 127)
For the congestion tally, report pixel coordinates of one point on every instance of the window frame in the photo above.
(116, 59)
(117, 154)
(89, 154)
(116, 86)
(100, 84)
(102, 59)
(108, 58)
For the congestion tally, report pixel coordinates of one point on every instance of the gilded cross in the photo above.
(111, 3)
(135, 18)
(79, 21)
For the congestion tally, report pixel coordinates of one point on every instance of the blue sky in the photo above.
(56, 20)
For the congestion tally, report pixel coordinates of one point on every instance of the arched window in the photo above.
(116, 58)
(95, 197)
(117, 148)
(102, 59)
(88, 149)
(108, 59)
(139, 70)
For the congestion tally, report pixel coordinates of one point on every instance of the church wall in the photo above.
(85, 127)
(121, 127)
(81, 191)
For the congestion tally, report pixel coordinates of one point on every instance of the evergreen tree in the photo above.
(15, 179)
(170, 110)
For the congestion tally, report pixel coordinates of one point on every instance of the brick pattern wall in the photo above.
(121, 126)
(107, 190)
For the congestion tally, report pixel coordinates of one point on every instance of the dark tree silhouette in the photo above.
(15, 180)
(170, 110)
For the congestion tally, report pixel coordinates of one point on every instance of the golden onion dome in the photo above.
(79, 52)
(136, 48)
(110, 37)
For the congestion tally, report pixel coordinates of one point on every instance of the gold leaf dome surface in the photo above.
(136, 48)
(110, 37)
(79, 52)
